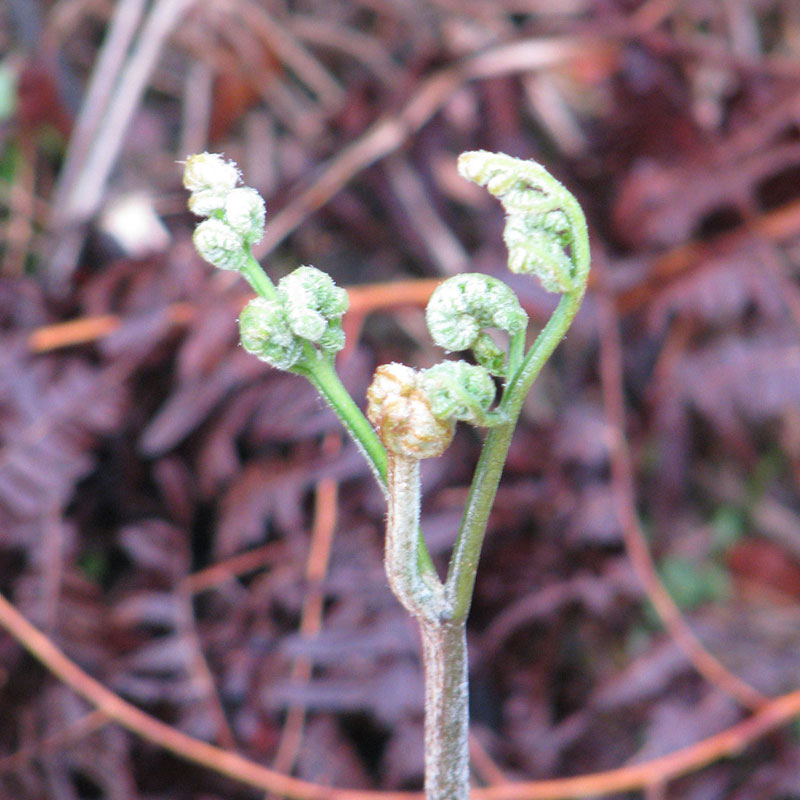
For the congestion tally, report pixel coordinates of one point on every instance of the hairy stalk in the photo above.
(254, 274)
(546, 236)
(444, 644)
(401, 409)
(444, 652)
(326, 381)
(421, 593)
(320, 371)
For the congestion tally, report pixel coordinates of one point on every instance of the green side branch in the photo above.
(466, 553)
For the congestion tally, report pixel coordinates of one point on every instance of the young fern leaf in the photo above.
(245, 212)
(264, 331)
(314, 307)
(219, 244)
(545, 228)
(461, 308)
(210, 172)
(295, 326)
(308, 309)
(460, 391)
(235, 214)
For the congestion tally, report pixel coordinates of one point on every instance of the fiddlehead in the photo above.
(460, 391)
(460, 310)
(545, 230)
(294, 326)
(307, 310)
(210, 172)
(314, 307)
(235, 215)
(400, 409)
(244, 211)
(219, 244)
(265, 332)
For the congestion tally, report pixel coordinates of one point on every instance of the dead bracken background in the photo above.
(191, 528)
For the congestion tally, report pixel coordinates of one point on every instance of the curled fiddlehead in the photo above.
(460, 310)
(219, 244)
(265, 332)
(545, 230)
(307, 310)
(235, 214)
(400, 409)
(314, 307)
(460, 391)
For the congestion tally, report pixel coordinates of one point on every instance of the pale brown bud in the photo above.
(400, 410)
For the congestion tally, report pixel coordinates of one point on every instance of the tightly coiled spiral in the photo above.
(461, 308)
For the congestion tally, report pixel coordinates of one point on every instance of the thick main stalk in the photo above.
(444, 650)
(444, 644)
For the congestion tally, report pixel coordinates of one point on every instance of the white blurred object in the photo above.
(131, 221)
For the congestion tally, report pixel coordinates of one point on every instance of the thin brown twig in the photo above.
(89, 723)
(196, 107)
(483, 764)
(363, 300)
(442, 244)
(293, 53)
(227, 570)
(325, 515)
(729, 742)
(82, 197)
(201, 671)
(624, 500)
(120, 32)
(368, 51)
(52, 563)
(85, 330)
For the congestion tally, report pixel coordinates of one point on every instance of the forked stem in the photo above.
(418, 589)
(444, 643)
(467, 550)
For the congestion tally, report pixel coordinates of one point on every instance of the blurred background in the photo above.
(192, 528)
